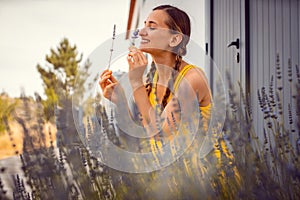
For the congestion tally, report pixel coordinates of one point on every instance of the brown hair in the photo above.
(179, 22)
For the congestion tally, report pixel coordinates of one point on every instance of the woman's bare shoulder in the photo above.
(198, 80)
(196, 76)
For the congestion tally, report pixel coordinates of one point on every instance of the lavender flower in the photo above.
(134, 36)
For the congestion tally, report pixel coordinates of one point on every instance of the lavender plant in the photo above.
(240, 166)
(66, 171)
(269, 168)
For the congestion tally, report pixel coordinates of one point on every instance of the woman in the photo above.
(165, 37)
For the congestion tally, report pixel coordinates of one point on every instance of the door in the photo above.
(226, 42)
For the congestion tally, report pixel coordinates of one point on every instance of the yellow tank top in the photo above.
(205, 110)
(155, 143)
(192, 166)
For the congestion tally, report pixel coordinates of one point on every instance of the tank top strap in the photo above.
(180, 76)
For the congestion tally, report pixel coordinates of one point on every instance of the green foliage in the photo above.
(6, 111)
(61, 75)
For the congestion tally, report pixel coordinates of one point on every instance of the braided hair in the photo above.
(178, 22)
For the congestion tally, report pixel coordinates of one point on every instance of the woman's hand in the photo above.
(137, 62)
(108, 83)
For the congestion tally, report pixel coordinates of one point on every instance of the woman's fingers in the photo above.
(104, 80)
(105, 72)
(111, 86)
(136, 58)
(108, 74)
(142, 58)
(113, 79)
(109, 90)
(108, 83)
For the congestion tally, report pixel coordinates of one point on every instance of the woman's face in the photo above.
(155, 35)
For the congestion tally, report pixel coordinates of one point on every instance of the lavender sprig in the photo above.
(112, 46)
(134, 36)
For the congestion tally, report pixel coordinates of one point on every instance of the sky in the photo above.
(29, 28)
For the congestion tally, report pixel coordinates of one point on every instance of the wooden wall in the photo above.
(274, 30)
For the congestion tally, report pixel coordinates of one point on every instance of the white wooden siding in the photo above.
(274, 29)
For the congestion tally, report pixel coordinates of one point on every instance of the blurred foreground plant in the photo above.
(240, 166)
(67, 171)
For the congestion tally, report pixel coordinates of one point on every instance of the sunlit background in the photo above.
(30, 28)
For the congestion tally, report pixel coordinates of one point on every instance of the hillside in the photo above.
(25, 121)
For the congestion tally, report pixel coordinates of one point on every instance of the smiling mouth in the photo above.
(144, 41)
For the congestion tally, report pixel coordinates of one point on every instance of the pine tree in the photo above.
(59, 75)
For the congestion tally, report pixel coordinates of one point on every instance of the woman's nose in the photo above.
(143, 32)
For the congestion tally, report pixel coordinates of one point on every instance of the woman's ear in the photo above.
(175, 40)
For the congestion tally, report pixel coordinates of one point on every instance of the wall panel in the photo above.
(274, 30)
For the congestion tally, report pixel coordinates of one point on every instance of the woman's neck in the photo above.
(165, 63)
